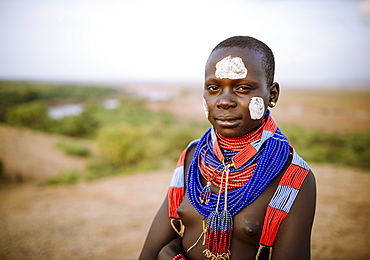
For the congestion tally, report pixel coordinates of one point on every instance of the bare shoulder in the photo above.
(303, 209)
(310, 180)
(189, 154)
(294, 237)
(307, 194)
(189, 157)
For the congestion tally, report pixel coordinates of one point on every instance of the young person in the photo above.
(241, 191)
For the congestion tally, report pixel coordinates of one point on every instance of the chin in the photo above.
(228, 132)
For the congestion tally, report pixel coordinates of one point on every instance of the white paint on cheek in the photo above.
(205, 107)
(256, 108)
(231, 68)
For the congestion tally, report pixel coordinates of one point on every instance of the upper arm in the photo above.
(293, 240)
(160, 233)
(188, 158)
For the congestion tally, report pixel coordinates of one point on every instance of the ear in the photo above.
(274, 94)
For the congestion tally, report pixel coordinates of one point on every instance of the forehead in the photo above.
(251, 59)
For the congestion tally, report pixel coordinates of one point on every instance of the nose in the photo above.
(226, 100)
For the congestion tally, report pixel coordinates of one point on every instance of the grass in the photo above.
(74, 149)
(350, 149)
(314, 146)
(17, 92)
(132, 138)
(67, 177)
(101, 169)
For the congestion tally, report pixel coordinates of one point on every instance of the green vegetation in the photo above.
(99, 169)
(132, 138)
(146, 146)
(128, 139)
(125, 145)
(341, 149)
(16, 93)
(83, 125)
(67, 177)
(74, 149)
(33, 114)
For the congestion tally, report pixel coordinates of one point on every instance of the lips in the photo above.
(227, 120)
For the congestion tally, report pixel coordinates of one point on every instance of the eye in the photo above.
(213, 88)
(243, 88)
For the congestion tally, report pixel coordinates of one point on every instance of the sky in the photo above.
(315, 42)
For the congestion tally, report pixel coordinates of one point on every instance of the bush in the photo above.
(13, 93)
(76, 126)
(343, 149)
(126, 145)
(32, 115)
(99, 169)
(16, 95)
(177, 136)
(16, 92)
(68, 177)
(74, 148)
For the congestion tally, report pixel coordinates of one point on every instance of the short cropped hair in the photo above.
(268, 60)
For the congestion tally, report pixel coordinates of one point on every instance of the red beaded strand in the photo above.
(245, 151)
(179, 257)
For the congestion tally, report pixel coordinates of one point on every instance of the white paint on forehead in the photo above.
(256, 108)
(230, 68)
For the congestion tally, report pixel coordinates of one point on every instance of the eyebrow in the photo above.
(217, 80)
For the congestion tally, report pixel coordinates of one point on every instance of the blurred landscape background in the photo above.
(98, 100)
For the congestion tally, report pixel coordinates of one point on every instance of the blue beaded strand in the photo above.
(270, 159)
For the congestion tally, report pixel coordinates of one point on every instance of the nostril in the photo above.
(226, 103)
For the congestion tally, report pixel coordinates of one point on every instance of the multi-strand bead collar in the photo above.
(242, 169)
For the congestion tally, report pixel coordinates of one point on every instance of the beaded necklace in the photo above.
(265, 151)
(219, 230)
(268, 165)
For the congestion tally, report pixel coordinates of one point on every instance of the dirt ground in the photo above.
(109, 218)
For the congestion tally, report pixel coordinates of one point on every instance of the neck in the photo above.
(247, 135)
(238, 143)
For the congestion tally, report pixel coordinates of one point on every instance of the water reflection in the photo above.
(65, 110)
(111, 104)
(59, 112)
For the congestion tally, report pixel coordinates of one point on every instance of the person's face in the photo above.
(228, 97)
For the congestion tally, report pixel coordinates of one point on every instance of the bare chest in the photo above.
(247, 231)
